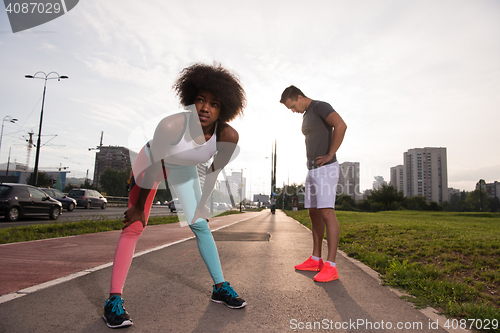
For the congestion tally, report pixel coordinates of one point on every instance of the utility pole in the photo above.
(30, 145)
(273, 178)
(7, 172)
(273, 168)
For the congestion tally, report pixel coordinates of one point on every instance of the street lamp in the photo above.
(242, 195)
(45, 77)
(481, 181)
(12, 120)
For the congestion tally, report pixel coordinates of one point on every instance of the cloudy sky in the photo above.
(402, 74)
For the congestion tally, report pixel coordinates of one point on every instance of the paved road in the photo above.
(168, 290)
(80, 214)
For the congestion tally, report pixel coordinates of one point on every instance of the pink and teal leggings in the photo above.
(185, 185)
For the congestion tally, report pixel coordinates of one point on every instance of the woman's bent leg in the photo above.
(208, 250)
(185, 184)
(126, 244)
(123, 256)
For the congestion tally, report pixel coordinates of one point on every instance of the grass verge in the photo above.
(54, 230)
(450, 261)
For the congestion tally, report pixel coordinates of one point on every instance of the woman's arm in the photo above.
(168, 131)
(226, 148)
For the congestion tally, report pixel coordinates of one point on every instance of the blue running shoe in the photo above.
(115, 314)
(226, 295)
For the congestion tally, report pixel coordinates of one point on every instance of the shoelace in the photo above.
(118, 306)
(230, 290)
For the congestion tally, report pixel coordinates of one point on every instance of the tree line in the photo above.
(117, 183)
(389, 198)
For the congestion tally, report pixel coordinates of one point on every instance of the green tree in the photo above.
(69, 187)
(114, 182)
(457, 203)
(417, 202)
(345, 202)
(386, 196)
(364, 205)
(88, 185)
(478, 200)
(433, 205)
(494, 204)
(44, 179)
(464, 206)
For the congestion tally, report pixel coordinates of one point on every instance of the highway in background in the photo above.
(83, 214)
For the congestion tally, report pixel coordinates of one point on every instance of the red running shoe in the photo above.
(327, 273)
(310, 265)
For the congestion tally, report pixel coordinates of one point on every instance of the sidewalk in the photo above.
(168, 289)
(29, 264)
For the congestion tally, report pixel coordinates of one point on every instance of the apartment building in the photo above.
(397, 177)
(115, 157)
(349, 180)
(426, 173)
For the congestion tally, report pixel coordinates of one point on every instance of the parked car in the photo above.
(17, 200)
(171, 205)
(88, 198)
(67, 203)
(223, 206)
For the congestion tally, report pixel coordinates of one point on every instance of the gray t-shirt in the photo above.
(317, 131)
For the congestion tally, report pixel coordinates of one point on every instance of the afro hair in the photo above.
(221, 83)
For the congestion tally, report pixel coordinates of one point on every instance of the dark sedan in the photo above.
(17, 200)
(67, 203)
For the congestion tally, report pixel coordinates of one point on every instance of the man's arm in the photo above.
(339, 126)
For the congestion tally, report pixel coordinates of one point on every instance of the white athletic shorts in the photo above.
(321, 186)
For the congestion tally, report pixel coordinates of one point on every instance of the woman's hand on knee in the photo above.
(133, 214)
(200, 213)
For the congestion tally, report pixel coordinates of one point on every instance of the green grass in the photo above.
(450, 261)
(53, 230)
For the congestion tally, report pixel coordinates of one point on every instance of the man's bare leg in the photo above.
(332, 231)
(318, 230)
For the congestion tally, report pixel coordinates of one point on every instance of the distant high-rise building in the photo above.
(349, 180)
(397, 178)
(240, 191)
(426, 173)
(379, 181)
(229, 189)
(117, 158)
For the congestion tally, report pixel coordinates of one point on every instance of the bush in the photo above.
(415, 203)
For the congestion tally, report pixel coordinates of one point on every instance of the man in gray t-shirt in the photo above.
(318, 132)
(324, 132)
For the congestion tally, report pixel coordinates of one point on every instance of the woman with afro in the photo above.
(213, 96)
